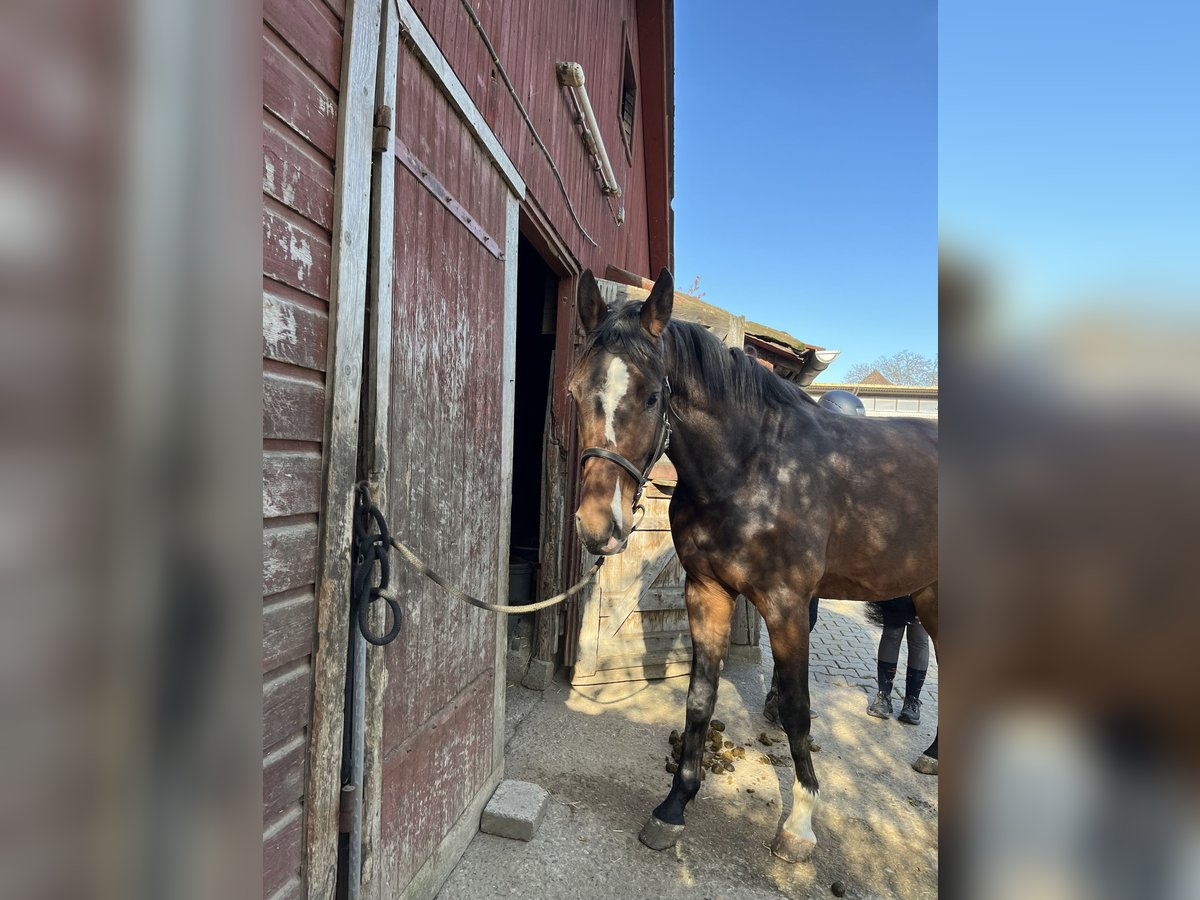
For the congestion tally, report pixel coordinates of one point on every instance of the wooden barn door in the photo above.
(635, 622)
(440, 412)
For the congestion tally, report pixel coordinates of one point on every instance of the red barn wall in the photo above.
(529, 37)
(302, 58)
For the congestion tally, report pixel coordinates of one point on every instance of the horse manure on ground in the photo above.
(838, 889)
(764, 739)
(717, 756)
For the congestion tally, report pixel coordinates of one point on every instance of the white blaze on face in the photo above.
(616, 383)
(616, 504)
(799, 820)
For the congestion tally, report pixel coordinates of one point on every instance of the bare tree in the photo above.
(905, 367)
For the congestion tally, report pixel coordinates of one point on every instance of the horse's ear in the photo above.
(592, 308)
(656, 311)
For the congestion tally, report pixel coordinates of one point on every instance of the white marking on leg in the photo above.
(616, 383)
(616, 504)
(799, 820)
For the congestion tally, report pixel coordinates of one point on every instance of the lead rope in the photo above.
(416, 563)
(372, 547)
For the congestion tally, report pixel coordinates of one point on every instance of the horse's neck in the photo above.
(712, 443)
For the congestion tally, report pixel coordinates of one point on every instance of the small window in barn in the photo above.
(628, 102)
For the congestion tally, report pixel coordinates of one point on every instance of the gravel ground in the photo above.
(600, 752)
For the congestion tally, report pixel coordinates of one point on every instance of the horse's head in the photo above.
(620, 392)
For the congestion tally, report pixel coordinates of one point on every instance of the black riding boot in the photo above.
(881, 706)
(913, 681)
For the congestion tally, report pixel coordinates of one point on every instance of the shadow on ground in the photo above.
(600, 752)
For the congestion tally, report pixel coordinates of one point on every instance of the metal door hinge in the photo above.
(383, 128)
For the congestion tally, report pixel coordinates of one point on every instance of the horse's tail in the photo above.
(875, 612)
(895, 613)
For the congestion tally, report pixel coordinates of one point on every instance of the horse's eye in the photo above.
(652, 401)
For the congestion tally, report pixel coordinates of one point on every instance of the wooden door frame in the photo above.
(344, 371)
(559, 567)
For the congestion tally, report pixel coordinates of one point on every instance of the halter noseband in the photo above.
(661, 445)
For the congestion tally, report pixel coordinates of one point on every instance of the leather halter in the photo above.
(660, 447)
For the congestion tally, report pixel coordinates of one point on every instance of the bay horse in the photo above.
(777, 499)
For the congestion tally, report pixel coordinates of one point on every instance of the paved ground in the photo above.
(600, 752)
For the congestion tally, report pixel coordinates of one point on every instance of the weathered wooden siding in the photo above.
(529, 37)
(302, 49)
(444, 485)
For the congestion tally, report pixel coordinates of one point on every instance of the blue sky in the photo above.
(1070, 149)
(806, 168)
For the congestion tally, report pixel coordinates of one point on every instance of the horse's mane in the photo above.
(719, 371)
(701, 362)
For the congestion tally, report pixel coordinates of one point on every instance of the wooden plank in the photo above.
(295, 252)
(289, 557)
(287, 698)
(660, 619)
(380, 285)
(295, 176)
(291, 483)
(655, 59)
(311, 29)
(352, 196)
(283, 776)
(292, 889)
(430, 779)
(433, 874)
(507, 414)
(293, 409)
(292, 92)
(293, 333)
(427, 51)
(288, 628)
(635, 672)
(430, 182)
(281, 850)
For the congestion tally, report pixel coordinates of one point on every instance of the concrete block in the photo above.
(539, 674)
(515, 810)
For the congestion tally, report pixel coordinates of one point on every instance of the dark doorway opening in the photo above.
(537, 288)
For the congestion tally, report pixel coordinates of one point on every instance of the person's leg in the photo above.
(812, 613)
(889, 655)
(918, 665)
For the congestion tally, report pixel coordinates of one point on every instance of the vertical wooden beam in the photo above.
(351, 218)
(381, 266)
(507, 412)
(656, 76)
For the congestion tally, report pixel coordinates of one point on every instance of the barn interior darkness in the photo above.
(537, 288)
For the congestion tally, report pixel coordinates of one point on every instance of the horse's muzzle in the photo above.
(608, 543)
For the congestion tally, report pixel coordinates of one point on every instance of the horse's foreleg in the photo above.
(710, 611)
(926, 602)
(789, 646)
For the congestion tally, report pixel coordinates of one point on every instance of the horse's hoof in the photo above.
(659, 835)
(926, 765)
(792, 847)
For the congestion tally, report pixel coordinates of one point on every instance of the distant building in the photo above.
(883, 398)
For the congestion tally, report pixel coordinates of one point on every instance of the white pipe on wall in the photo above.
(570, 74)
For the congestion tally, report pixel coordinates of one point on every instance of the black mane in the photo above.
(700, 362)
(704, 363)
